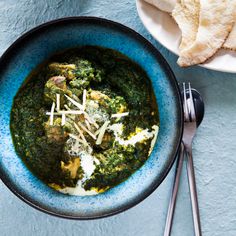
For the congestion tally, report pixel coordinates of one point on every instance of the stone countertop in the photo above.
(214, 148)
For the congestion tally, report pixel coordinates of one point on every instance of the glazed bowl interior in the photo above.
(39, 44)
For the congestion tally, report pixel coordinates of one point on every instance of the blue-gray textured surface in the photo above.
(214, 147)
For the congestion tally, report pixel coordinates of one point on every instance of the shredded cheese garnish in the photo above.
(86, 130)
(84, 99)
(91, 120)
(52, 113)
(81, 133)
(97, 131)
(74, 102)
(102, 132)
(58, 102)
(118, 115)
(88, 125)
(63, 119)
(67, 108)
(72, 112)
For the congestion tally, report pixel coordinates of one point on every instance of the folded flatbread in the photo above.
(230, 42)
(216, 19)
(163, 5)
(186, 15)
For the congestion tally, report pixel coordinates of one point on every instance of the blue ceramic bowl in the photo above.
(37, 45)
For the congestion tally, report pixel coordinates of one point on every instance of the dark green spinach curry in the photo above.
(85, 120)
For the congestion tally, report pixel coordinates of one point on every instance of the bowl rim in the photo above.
(7, 54)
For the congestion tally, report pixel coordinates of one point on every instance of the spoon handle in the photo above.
(193, 193)
(171, 209)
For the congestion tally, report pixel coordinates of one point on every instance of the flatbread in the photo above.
(186, 15)
(215, 23)
(230, 42)
(163, 5)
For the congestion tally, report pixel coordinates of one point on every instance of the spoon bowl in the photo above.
(198, 104)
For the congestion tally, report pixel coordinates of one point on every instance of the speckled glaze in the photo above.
(37, 45)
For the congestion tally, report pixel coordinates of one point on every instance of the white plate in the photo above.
(164, 29)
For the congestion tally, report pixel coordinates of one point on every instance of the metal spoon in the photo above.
(199, 110)
(198, 105)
